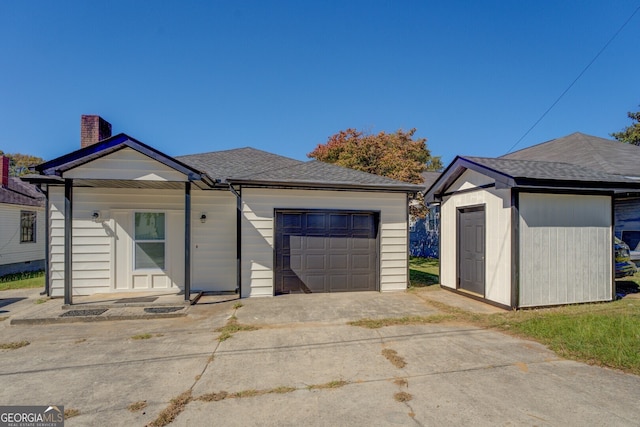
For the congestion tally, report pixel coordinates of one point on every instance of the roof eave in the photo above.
(409, 188)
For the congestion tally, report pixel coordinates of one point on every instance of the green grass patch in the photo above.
(34, 279)
(605, 334)
(423, 272)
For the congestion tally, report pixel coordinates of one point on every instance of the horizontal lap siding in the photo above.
(11, 250)
(93, 246)
(258, 239)
(565, 249)
(125, 164)
(497, 231)
(213, 244)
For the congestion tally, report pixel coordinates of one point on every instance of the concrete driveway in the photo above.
(303, 365)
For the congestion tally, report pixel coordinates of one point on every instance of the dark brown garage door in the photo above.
(326, 251)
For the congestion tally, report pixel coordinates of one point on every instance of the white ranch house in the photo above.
(125, 217)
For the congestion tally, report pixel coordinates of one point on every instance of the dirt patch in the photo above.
(392, 356)
(137, 406)
(70, 413)
(329, 385)
(233, 327)
(13, 345)
(176, 406)
(402, 396)
(406, 320)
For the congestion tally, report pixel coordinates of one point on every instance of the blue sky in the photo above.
(282, 76)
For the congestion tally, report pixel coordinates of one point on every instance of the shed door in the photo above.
(471, 247)
(326, 251)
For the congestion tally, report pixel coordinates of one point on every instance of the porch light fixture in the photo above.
(203, 218)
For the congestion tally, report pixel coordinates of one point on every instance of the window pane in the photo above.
(27, 226)
(149, 255)
(149, 226)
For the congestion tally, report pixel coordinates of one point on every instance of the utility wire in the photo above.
(575, 80)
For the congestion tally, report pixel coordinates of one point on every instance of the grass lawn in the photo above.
(22, 281)
(604, 334)
(423, 272)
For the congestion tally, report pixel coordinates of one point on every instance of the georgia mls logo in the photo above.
(31, 416)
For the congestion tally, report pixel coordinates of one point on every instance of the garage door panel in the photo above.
(338, 261)
(362, 262)
(338, 243)
(319, 251)
(315, 262)
(339, 221)
(360, 281)
(339, 283)
(293, 220)
(316, 221)
(314, 242)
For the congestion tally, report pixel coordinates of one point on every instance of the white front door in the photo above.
(144, 240)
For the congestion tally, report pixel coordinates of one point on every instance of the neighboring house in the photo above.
(522, 233)
(602, 155)
(424, 237)
(22, 224)
(126, 217)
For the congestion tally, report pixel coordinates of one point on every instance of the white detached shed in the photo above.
(519, 233)
(125, 217)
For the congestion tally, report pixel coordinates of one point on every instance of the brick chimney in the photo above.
(93, 129)
(4, 170)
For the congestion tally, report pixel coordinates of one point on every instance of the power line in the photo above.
(575, 80)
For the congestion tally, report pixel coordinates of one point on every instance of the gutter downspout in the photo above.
(238, 195)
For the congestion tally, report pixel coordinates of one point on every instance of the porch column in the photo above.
(187, 241)
(68, 241)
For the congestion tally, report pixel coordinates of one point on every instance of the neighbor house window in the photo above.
(149, 247)
(27, 226)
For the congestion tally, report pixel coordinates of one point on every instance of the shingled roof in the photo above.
(237, 162)
(19, 192)
(532, 174)
(546, 171)
(242, 166)
(588, 151)
(252, 166)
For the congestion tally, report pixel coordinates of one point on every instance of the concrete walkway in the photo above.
(304, 365)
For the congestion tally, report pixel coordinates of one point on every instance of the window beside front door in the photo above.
(149, 240)
(27, 226)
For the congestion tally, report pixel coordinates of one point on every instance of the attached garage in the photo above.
(326, 251)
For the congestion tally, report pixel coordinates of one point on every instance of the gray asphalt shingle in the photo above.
(19, 192)
(587, 151)
(251, 165)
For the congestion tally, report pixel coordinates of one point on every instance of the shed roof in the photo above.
(531, 174)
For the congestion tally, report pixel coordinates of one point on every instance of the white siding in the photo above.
(258, 238)
(497, 230)
(11, 250)
(213, 244)
(125, 164)
(102, 265)
(565, 249)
